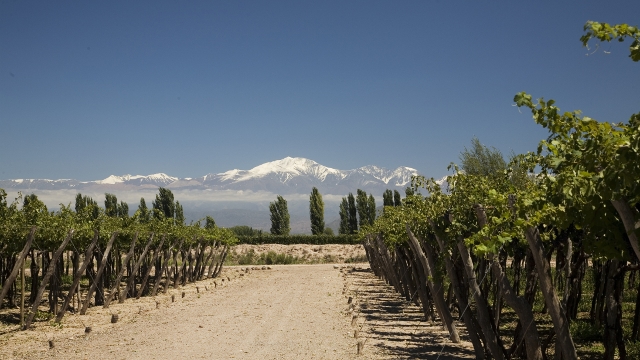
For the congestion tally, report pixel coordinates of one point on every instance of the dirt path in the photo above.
(289, 312)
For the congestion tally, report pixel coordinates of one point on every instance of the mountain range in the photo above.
(285, 176)
(234, 197)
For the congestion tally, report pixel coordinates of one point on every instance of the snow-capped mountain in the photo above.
(299, 175)
(285, 176)
(155, 179)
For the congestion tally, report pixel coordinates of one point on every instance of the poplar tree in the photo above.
(316, 212)
(164, 206)
(371, 207)
(179, 219)
(86, 203)
(387, 198)
(209, 223)
(279, 217)
(344, 217)
(397, 200)
(122, 209)
(144, 215)
(362, 204)
(482, 160)
(353, 216)
(110, 205)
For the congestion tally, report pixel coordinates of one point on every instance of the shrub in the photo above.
(299, 239)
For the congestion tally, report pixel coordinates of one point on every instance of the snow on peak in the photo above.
(113, 179)
(159, 176)
(155, 178)
(402, 175)
(287, 167)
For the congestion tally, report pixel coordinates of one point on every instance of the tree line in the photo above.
(355, 212)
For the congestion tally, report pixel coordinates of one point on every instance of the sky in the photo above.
(90, 89)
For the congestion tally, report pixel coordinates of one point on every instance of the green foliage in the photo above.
(344, 217)
(328, 231)
(397, 200)
(279, 217)
(585, 331)
(53, 227)
(243, 230)
(371, 202)
(123, 209)
(210, 223)
(164, 206)
(316, 212)
(585, 164)
(272, 258)
(387, 198)
(352, 211)
(408, 191)
(144, 215)
(3, 202)
(606, 32)
(298, 239)
(88, 205)
(268, 258)
(366, 208)
(482, 160)
(179, 214)
(348, 215)
(110, 205)
(363, 208)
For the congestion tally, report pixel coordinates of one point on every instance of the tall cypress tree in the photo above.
(387, 198)
(122, 209)
(316, 212)
(86, 202)
(353, 214)
(110, 205)
(179, 214)
(209, 223)
(144, 216)
(397, 200)
(362, 204)
(371, 207)
(344, 217)
(164, 206)
(279, 217)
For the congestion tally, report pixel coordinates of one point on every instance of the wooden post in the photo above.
(435, 286)
(131, 283)
(93, 286)
(116, 285)
(45, 279)
(22, 295)
(78, 276)
(212, 257)
(14, 273)
(153, 265)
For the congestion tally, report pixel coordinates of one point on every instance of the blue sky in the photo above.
(89, 89)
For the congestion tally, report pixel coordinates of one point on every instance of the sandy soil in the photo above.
(329, 253)
(288, 312)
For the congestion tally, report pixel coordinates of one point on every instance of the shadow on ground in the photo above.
(394, 328)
